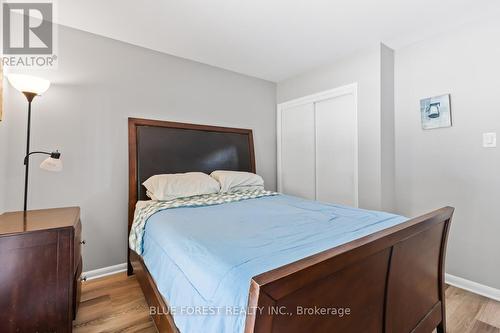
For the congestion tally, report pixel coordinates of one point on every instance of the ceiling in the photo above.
(269, 39)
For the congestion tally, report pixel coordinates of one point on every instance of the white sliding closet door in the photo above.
(317, 146)
(297, 148)
(336, 150)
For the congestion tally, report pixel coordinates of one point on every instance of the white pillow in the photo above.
(180, 185)
(235, 181)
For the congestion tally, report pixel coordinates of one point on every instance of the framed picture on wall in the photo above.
(436, 112)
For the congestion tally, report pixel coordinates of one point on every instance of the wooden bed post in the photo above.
(132, 181)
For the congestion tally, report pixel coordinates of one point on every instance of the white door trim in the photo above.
(314, 98)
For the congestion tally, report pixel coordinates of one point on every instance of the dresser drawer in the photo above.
(78, 245)
(38, 269)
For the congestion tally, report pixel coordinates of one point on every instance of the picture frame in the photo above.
(435, 112)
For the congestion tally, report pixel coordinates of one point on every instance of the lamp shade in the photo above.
(28, 83)
(52, 164)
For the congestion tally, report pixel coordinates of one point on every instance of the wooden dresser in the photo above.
(40, 268)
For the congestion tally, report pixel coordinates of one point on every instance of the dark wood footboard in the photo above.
(391, 281)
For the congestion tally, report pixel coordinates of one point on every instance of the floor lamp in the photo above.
(31, 87)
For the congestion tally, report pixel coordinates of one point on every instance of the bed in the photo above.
(389, 273)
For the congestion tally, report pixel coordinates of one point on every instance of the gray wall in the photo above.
(365, 69)
(99, 83)
(4, 157)
(449, 166)
(387, 128)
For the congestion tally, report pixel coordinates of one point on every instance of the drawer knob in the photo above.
(83, 242)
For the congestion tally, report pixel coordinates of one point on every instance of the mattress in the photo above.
(203, 258)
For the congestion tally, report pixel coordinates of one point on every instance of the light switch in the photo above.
(489, 140)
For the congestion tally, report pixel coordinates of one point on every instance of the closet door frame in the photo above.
(350, 89)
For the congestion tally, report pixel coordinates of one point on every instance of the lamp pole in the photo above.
(29, 97)
(30, 86)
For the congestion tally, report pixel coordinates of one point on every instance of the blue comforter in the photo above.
(203, 258)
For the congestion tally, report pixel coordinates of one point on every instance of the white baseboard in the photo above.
(472, 286)
(105, 271)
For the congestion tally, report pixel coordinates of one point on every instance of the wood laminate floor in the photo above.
(116, 304)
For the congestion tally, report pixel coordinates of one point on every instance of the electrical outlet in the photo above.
(489, 140)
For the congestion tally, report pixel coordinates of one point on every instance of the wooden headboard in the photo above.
(159, 147)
